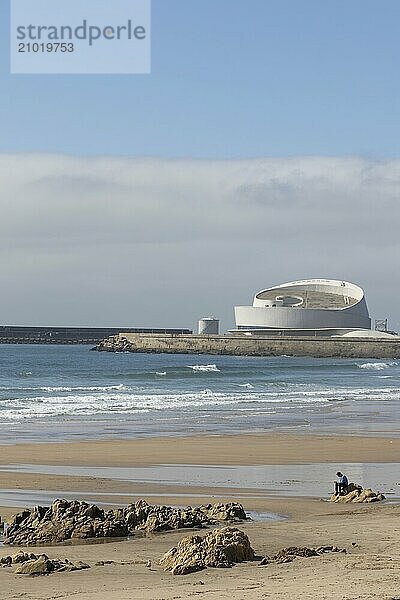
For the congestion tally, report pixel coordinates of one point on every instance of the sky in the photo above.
(263, 147)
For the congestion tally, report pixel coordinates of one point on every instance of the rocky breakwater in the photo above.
(356, 494)
(240, 345)
(114, 343)
(76, 520)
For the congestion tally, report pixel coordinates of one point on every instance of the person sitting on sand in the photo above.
(341, 485)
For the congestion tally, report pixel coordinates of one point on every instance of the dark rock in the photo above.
(6, 561)
(76, 520)
(32, 564)
(22, 557)
(287, 555)
(42, 565)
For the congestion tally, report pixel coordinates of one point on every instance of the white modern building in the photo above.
(324, 307)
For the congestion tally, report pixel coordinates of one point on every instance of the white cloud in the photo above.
(106, 240)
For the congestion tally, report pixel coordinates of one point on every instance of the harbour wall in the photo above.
(10, 334)
(252, 346)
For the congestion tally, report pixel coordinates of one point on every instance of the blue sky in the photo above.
(230, 79)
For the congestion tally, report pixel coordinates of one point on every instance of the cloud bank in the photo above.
(118, 241)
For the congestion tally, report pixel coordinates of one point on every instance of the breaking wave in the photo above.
(79, 405)
(106, 404)
(61, 388)
(204, 368)
(376, 366)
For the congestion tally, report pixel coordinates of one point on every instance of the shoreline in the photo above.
(263, 471)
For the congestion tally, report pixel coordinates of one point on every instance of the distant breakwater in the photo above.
(69, 335)
(237, 345)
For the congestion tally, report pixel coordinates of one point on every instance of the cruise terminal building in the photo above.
(310, 307)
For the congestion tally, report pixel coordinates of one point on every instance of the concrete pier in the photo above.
(253, 346)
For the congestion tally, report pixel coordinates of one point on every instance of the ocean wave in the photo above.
(67, 389)
(246, 385)
(93, 388)
(79, 405)
(204, 368)
(377, 366)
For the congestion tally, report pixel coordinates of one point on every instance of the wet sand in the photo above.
(369, 532)
(258, 449)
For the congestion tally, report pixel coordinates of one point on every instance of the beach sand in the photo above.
(256, 449)
(370, 533)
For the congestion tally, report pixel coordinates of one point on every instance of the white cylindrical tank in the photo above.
(209, 326)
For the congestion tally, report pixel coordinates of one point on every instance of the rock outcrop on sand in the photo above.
(65, 520)
(32, 564)
(287, 555)
(356, 494)
(219, 548)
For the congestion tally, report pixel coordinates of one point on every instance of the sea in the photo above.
(54, 393)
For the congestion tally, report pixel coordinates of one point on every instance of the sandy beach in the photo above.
(257, 449)
(369, 533)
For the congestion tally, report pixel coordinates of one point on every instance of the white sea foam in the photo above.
(376, 366)
(107, 402)
(81, 405)
(94, 388)
(62, 388)
(204, 368)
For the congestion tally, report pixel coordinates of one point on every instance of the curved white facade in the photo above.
(310, 304)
